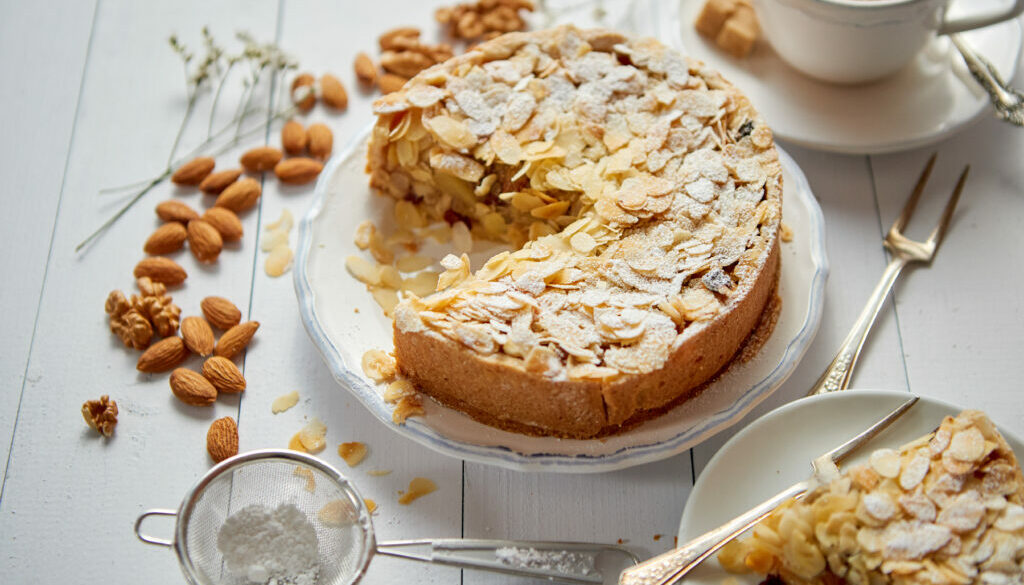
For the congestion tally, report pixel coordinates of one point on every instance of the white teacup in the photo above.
(851, 41)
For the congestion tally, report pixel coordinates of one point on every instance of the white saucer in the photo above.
(775, 451)
(929, 100)
(344, 322)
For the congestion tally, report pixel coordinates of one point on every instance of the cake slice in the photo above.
(942, 510)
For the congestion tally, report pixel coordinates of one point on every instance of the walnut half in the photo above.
(101, 414)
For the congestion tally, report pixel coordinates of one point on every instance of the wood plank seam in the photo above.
(49, 253)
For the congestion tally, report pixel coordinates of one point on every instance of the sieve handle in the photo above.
(152, 539)
(485, 555)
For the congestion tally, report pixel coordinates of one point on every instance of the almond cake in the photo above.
(945, 509)
(640, 194)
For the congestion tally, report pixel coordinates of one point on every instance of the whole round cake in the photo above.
(640, 194)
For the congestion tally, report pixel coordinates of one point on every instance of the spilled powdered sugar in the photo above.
(555, 560)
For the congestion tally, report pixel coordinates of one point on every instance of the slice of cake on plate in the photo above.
(640, 194)
(943, 510)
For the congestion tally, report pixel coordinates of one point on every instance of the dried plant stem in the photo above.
(181, 129)
(216, 98)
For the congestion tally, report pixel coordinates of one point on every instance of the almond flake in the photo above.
(284, 402)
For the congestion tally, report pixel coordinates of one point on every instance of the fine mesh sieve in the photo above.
(271, 477)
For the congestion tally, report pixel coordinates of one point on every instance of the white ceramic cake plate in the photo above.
(775, 451)
(344, 322)
(927, 101)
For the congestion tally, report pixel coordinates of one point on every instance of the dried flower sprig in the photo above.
(265, 61)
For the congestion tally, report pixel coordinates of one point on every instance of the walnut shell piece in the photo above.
(101, 415)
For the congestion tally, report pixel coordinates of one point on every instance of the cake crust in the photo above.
(641, 195)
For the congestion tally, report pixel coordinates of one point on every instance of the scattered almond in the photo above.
(392, 39)
(321, 140)
(162, 356)
(225, 222)
(305, 472)
(389, 83)
(261, 158)
(298, 170)
(204, 240)
(302, 91)
(312, 436)
(338, 514)
(197, 335)
(418, 487)
(222, 439)
(293, 137)
(352, 453)
(217, 182)
(173, 210)
(408, 406)
(166, 239)
(366, 71)
(278, 261)
(333, 92)
(191, 388)
(223, 374)
(284, 402)
(295, 444)
(378, 365)
(235, 339)
(240, 195)
(160, 269)
(194, 171)
(220, 312)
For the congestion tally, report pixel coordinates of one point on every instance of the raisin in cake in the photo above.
(943, 510)
(640, 194)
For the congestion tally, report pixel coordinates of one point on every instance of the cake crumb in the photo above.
(657, 537)
(785, 232)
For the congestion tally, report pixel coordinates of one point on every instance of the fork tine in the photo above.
(911, 204)
(947, 214)
(841, 452)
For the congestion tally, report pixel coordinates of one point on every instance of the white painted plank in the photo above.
(843, 187)
(640, 506)
(62, 478)
(42, 56)
(325, 37)
(961, 318)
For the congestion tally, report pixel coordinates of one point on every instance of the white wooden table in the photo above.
(91, 97)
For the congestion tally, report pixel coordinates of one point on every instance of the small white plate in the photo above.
(344, 322)
(929, 100)
(775, 451)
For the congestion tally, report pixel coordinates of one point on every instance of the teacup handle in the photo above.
(955, 25)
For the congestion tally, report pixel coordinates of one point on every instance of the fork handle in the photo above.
(670, 567)
(837, 374)
(985, 74)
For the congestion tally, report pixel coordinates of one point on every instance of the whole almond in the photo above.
(224, 375)
(204, 240)
(235, 339)
(240, 195)
(191, 388)
(298, 170)
(160, 269)
(366, 71)
(166, 239)
(333, 92)
(220, 312)
(261, 158)
(222, 439)
(321, 140)
(389, 83)
(225, 222)
(302, 91)
(217, 182)
(293, 137)
(194, 171)
(197, 335)
(163, 355)
(174, 210)
(387, 40)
